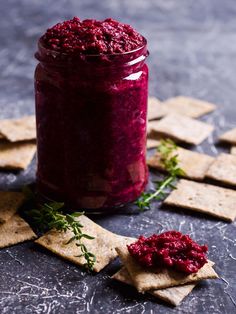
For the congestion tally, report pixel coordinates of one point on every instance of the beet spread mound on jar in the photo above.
(170, 249)
(92, 37)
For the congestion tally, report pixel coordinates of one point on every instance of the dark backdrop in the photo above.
(192, 52)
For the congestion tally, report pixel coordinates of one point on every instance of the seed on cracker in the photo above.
(102, 246)
(173, 295)
(223, 169)
(194, 165)
(10, 202)
(15, 230)
(188, 106)
(233, 150)
(152, 143)
(16, 156)
(145, 279)
(156, 110)
(205, 198)
(180, 128)
(21, 129)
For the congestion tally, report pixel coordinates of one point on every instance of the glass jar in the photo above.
(91, 127)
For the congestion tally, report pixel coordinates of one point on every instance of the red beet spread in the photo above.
(92, 37)
(170, 249)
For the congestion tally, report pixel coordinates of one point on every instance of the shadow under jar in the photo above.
(91, 127)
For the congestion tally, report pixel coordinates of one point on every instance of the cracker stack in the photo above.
(13, 229)
(17, 142)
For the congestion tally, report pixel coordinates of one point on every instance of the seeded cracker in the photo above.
(187, 106)
(16, 156)
(223, 169)
(14, 231)
(174, 295)
(180, 128)
(229, 136)
(103, 246)
(152, 143)
(194, 165)
(145, 279)
(18, 129)
(205, 198)
(156, 110)
(10, 202)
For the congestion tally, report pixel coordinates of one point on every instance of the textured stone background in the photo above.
(193, 48)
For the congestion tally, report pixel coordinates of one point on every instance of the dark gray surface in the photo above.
(193, 48)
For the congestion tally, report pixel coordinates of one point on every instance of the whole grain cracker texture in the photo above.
(21, 129)
(188, 106)
(145, 279)
(102, 246)
(156, 109)
(180, 128)
(229, 136)
(205, 198)
(10, 202)
(15, 230)
(16, 156)
(194, 165)
(223, 169)
(173, 295)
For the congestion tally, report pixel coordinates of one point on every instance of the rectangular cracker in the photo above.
(205, 198)
(15, 230)
(195, 165)
(156, 110)
(191, 107)
(180, 128)
(103, 246)
(145, 279)
(229, 136)
(152, 143)
(16, 156)
(233, 150)
(10, 202)
(21, 129)
(173, 295)
(223, 169)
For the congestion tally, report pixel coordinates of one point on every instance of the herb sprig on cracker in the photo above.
(171, 164)
(50, 216)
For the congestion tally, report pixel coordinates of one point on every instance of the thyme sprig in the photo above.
(50, 216)
(170, 162)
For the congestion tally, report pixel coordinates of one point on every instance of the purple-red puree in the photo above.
(92, 37)
(91, 103)
(170, 249)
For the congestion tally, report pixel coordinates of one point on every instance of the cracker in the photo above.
(145, 279)
(188, 106)
(14, 231)
(173, 295)
(180, 128)
(194, 165)
(18, 129)
(9, 204)
(205, 198)
(233, 150)
(152, 143)
(103, 246)
(223, 169)
(16, 156)
(229, 136)
(156, 110)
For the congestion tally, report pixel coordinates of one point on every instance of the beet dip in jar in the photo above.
(91, 87)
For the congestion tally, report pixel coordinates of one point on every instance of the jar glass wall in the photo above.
(91, 127)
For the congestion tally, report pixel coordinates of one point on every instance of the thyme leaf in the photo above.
(170, 162)
(50, 216)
